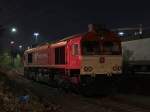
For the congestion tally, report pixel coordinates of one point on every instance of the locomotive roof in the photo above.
(56, 41)
(41, 46)
(60, 40)
(70, 37)
(77, 35)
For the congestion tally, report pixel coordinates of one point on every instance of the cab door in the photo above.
(74, 55)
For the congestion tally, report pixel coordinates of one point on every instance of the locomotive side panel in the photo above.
(58, 55)
(30, 58)
(42, 56)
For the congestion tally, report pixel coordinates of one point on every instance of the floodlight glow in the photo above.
(121, 33)
(13, 30)
(140, 32)
(12, 42)
(36, 34)
(20, 46)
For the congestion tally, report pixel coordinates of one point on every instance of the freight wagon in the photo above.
(137, 56)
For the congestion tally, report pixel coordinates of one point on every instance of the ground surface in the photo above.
(43, 98)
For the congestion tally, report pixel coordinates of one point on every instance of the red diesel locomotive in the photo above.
(82, 61)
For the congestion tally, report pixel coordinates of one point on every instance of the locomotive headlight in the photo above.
(88, 68)
(116, 68)
(119, 68)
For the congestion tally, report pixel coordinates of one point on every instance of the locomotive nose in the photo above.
(92, 65)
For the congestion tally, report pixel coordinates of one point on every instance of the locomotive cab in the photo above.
(101, 54)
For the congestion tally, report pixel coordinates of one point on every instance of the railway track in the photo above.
(108, 104)
(112, 105)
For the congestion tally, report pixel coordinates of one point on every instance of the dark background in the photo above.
(57, 19)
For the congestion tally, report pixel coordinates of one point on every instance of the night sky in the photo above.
(56, 19)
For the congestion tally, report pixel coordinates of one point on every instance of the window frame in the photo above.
(60, 56)
(75, 49)
(112, 51)
(89, 53)
(30, 58)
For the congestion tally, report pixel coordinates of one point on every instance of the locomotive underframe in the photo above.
(73, 80)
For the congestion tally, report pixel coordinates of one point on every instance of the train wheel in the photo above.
(75, 88)
(26, 73)
(87, 90)
(37, 77)
(112, 90)
(29, 74)
(65, 86)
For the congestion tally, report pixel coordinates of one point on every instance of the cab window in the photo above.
(111, 48)
(75, 49)
(91, 48)
(30, 58)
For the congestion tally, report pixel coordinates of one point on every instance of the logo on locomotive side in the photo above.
(102, 59)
